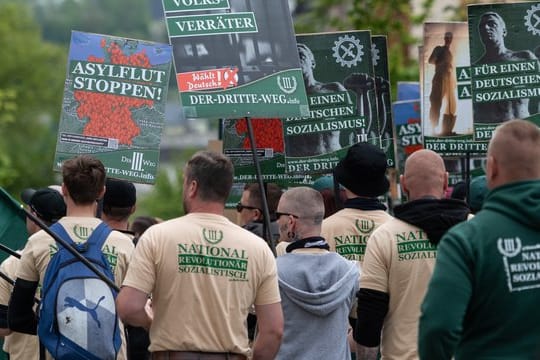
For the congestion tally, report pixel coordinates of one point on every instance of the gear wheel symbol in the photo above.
(375, 54)
(347, 51)
(532, 20)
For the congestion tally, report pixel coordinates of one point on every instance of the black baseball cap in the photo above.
(47, 203)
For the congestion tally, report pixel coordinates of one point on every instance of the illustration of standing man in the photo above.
(492, 30)
(443, 87)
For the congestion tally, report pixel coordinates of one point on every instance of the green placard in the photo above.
(340, 82)
(201, 25)
(194, 5)
(379, 53)
(236, 61)
(505, 72)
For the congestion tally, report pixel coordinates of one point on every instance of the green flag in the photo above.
(13, 233)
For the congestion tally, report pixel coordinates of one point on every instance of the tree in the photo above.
(33, 73)
(165, 199)
(124, 18)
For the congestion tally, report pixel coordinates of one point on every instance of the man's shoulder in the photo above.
(348, 214)
(396, 225)
(522, 55)
(39, 240)
(121, 241)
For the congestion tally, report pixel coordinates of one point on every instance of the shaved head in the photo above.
(304, 209)
(304, 202)
(513, 153)
(424, 175)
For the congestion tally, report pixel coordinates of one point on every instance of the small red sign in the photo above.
(207, 79)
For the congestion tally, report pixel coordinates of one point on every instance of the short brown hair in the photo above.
(214, 175)
(84, 178)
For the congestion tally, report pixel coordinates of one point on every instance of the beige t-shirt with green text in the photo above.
(204, 273)
(348, 230)
(399, 261)
(40, 247)
(18, 345)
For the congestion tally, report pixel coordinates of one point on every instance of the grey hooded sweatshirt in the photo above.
(317, 291)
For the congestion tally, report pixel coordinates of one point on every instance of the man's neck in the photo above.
(81, 210)
(116, 224)
(207, 207)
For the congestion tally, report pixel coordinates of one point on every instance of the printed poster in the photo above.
(270, 145)
(269, 142)
(505, 74)
(447, 104)
(235, 58)
(408, 129)
(114, 104)
(340, 83)
(379, 53)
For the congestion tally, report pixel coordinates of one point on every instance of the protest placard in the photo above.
(379, 53)
(408, 129)
(235, 58)
(505, 72)
(114, 104)
(339, 79)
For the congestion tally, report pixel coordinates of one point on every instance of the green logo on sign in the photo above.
(287, 84)
(212, 236)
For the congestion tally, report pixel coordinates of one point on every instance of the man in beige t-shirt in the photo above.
(204, 272)
(17, 345)
(83, 184)
(362, 173)
(48, 205)
(399, 261)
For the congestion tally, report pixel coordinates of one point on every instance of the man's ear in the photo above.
(403, 185)
(445, 187)
(101, 193)
(492, 171)
(65, 191)
(192, 188)
(259, 214)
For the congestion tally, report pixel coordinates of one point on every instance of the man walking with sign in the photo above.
(482, 301)
(204, 273)
(83, 184)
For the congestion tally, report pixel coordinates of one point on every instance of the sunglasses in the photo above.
(240, 207)
(280, 214)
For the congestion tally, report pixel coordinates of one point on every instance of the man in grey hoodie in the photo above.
(317, 286)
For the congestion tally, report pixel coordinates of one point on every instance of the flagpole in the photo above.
(9, 251)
